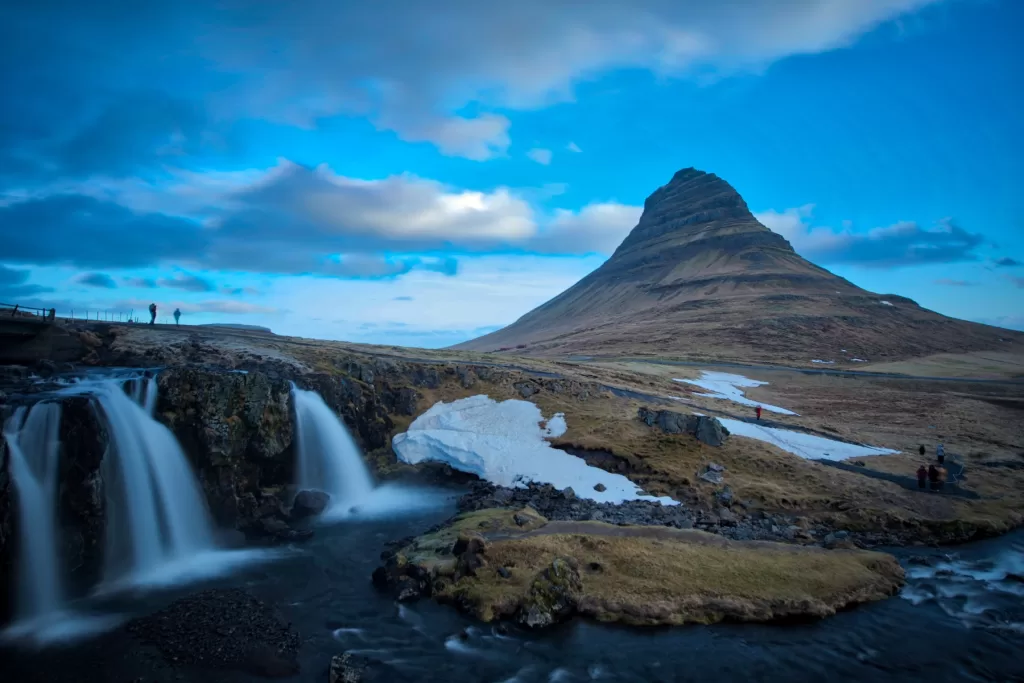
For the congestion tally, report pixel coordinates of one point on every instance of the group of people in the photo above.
(152, 315)
(934, 476)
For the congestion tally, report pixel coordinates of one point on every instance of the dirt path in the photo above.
(909, 483)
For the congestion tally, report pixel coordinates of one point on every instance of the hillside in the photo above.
(700, 277)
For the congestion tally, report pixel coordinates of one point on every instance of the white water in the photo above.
(34, 450)
(328, 459)
(156, 513)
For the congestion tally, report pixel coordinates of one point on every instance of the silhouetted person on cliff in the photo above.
(152, 314)
(177, 315)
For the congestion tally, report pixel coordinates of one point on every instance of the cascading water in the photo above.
(156, 513)
(34, 455)
(328, 459)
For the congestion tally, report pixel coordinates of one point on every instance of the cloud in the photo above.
(74, 75)
(596, 228)
(140, 282)
(1017, 281)
(573, 147)
(1007, 262)
(955, 283)
(226, 307)
(541, 156)
(187, 282)
(902, 244)
(1010, 322)
(240, 291)
(90, 233)
(14, 286)
(402, 298)
(100, 280)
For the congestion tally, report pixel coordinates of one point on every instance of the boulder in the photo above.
(553, 595)
(352, 668)
(707, 430)
(309, 503)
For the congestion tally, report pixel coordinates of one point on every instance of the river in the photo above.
(958, 621)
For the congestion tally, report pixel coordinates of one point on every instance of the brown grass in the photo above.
(644, 575)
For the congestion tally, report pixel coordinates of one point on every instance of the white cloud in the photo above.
(541, 156)
(410, 65)
(573, 147)
(904, 243)
(596, 228)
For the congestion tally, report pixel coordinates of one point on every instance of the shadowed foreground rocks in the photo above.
(223, 628)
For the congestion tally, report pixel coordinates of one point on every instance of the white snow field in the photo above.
(806, 446)
(504, 443)
(726, 386)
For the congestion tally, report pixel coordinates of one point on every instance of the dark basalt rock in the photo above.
(707, 430)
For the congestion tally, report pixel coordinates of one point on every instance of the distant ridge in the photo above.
(700, 276)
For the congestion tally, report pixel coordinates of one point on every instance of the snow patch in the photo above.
(806, 446)
(858, 360)
(885, 303)
(504, 444)
(726, 386)
(825, 362)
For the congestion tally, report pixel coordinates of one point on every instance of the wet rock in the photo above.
(711, 476)
(553, 595)
(710, 431)
(600, 488)
(400, 400)
(504, 573)
(407, 590)
(46, 368)
(309, 503)
(222, 628)
(568, 493)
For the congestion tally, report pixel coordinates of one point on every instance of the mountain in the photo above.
(700, 277)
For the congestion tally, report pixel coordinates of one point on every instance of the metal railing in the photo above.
(19, 311)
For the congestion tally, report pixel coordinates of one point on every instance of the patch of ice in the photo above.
(858, 360)
(726, 386)
(826, 362)
(885, 303)
(504, 444)
(806, 446)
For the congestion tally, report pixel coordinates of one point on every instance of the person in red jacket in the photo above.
(922, 477)
(758, 411)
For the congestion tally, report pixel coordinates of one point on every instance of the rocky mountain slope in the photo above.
(699, 276)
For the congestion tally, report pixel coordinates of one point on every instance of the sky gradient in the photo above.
(417, 174)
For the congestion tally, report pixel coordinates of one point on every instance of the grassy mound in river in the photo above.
(516, 564)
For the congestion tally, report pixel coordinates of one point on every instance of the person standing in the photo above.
(758, 411)
(922, 451)
(943, 474)
(152, 314)
(940, 454)
(922, 477)
(177, 315)
(933, 477)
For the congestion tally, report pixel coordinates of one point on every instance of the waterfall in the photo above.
(33, 448)
(328, 459)
(156, 513)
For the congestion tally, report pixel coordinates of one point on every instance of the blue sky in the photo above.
(396, 173)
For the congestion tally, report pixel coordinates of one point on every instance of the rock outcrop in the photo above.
(700, 276)
(706, 429)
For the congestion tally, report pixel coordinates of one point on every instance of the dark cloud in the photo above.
(1007, 262)
(14, 286)
(955, 283)
(901, 244)
(101, 280)
(187, 282)
(91, 233)
(403, 298)
(1017, 281)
